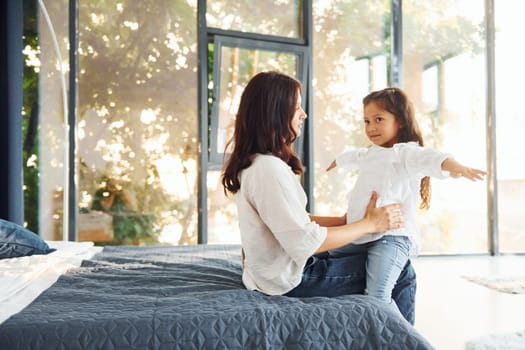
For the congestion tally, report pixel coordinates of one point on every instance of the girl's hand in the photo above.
(469, 173)
(384, 218)
(458, 170)
(331, 166)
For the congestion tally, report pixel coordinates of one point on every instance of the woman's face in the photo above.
(298, 117)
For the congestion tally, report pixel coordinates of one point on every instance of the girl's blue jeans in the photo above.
(331, 276)
(386, 258)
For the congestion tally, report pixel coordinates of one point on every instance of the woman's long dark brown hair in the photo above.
(263, 125)
(396, 101)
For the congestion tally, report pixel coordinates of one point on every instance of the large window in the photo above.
(244, 38)
(444, 74)
(137, 121)
(50, 114)
(159, 83)
(136, 74)
(510, 127)
(442, 45)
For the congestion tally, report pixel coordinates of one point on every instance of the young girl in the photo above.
(397, 167)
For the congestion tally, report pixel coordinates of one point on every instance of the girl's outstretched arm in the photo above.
(457, 170)
(331, 166)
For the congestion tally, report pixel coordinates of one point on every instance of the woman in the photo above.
(284, 248)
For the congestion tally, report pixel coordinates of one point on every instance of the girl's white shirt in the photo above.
(395, 174)
(276, 232)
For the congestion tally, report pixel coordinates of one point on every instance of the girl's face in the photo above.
(381, 126)
(298, 117)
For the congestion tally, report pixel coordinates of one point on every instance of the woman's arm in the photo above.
(375, 220)
(329, 221)
(459, 170)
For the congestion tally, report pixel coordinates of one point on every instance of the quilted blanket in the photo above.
(192, 297)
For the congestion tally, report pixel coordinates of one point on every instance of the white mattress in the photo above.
(23, 279)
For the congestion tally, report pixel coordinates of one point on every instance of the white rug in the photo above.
(514, 341)
(512, 285)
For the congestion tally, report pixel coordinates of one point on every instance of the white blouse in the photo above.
(395, 174)
(276, 232)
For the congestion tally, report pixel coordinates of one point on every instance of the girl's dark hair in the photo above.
(396, 101)
(263, 125)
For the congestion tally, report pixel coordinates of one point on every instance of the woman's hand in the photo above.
(384, 218)
(376, 220)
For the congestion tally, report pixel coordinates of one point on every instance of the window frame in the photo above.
(216, 156)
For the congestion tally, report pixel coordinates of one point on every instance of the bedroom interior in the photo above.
(132, 92)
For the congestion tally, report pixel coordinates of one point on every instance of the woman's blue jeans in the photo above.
(329, 276)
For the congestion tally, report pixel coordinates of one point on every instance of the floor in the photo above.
(451, 310)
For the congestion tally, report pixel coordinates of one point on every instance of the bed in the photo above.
(189, 297)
